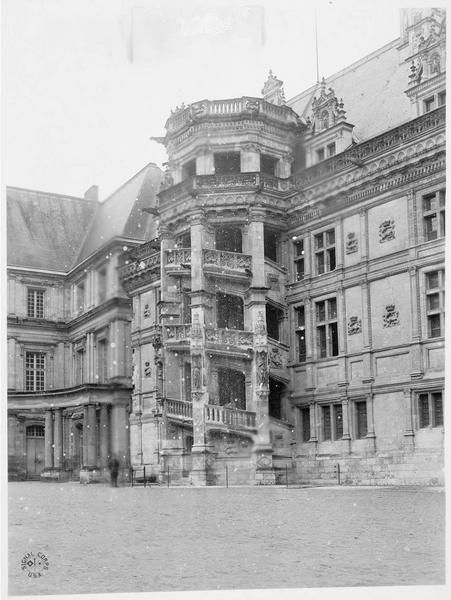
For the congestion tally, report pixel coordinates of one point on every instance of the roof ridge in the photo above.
(68, 196)
(150, 164)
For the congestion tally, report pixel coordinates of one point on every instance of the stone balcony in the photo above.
(220, 417)
(230, 182)
(229, 264)
(212, 110)
(178, 260)
(141, 271)
(178, 409)
(176, 336)
(229, 339)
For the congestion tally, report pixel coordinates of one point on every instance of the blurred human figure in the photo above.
(113, 466)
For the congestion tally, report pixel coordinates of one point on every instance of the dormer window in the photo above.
(331, 149)
(324, 120)
(428, 104)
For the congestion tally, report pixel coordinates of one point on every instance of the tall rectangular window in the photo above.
(102, 360)
(271, 244)
(101, 285)
(187, 386)
(332, 421)
(299, 260)
(327, 430)
(35, 303)
(430, 409)
(435, 303)
(305, 417)
(300, 332)
(326, 328)
(229, 311)
(325, 251)
(80, 366)
(274, 317)
(232, 388)
(338, 421)
(34, 371)
(361, 419)
(331, 149)
(80, 297)
(186, 306)
(434, 215)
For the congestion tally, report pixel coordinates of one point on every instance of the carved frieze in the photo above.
(387, 231)
(275, 358)
(147, 369)
(390, 316)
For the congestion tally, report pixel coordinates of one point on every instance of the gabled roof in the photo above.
(372, 90)
(44, 230)
(121, 213)
(54, 232)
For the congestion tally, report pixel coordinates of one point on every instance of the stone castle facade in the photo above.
(271, 310)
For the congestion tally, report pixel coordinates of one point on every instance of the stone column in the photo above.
(409, 433)
(11, 363)
(91, 437)
(371, 435)
(119, 433)
(250, 158)
(58, 439)
(415, 348)
(346, 430)
(85, 435)
(104, 436)
(366, 329)
(205, 164)
(256, 246)
(48, 439)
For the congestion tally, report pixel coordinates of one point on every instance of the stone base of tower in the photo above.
(264, 468)
(203, 463)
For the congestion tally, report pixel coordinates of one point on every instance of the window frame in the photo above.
(428, 395)
(325, 250)
(299, 259)
(35, 375)
(102, 359)
(333, 409)
(301, 342)
(35, 302)
(438, 213)
(328, 325)
(304, 413)
(438, 311)
(359, 435)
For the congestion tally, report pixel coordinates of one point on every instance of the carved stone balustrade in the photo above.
(176, 333)
(229, 337)
(178, 409)
(140, 272)
(178, 258)
(229, 418)
(220, 262)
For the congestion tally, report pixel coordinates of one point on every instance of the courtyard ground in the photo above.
(101, 539)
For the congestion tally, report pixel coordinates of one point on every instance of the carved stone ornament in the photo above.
(262, 369)
(352, 243)
(260, 325)
(354, 325)
(272, 281)
(146, 311)
(327, 110)
(275, 359)
(196, 372)
(196, 396)
(273, 90)
(196, 329)
(250, 147)
(252, 106)
(387, 231)
(147, 369)
(390, 316)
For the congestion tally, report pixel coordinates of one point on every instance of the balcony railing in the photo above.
(178, 257)
(229, 417)
(227, 260)
(246, 105)
(178, 408)
(176, 333)
(140, 269)
(229, 337)
(145, 250)
(386, 141)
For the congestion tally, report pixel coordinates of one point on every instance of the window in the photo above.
(184, 240)
(442, 99)
(435, 303)
(273, 317)
(229, 239)
(326, 328)
(186, 306)
(299, 264)
(271, 244)
(434, 215)
(101, 285)
(35, 304)
(34, 371)
(80, 366)
(275, 398)
(230, 313)
(300, 333)
(227, 162)
(35, 431)
(80, 297)
(325, 251)
(187, 374)
(331, 149)
(332, 420)
(430, 409)
(102, 360)
(428, 104)
(232, 388)
(305, 418)
(320, 155)
(189, 169)
(361, 419)
(268, 164)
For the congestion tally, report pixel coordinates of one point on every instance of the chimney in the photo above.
(92, 193)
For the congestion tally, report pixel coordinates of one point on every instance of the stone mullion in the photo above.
(409, 432)
(58, 438)
(48, 439)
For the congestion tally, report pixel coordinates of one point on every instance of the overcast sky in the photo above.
(87, 82)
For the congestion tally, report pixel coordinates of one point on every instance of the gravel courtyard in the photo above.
(101, 539)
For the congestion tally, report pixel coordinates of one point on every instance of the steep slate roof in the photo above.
(372, 90)
(44, 230)
(121, 213)
(54, 232)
